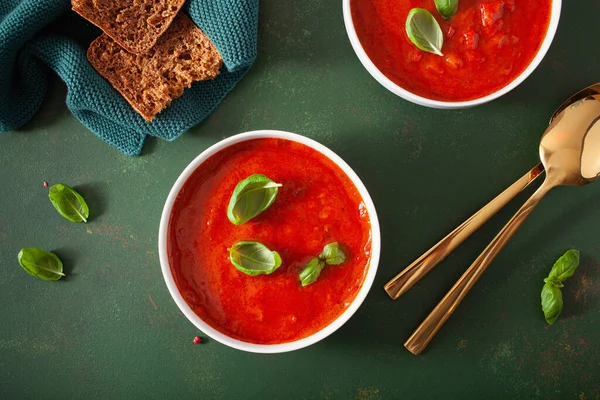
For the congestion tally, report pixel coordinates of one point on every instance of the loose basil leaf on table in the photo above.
(446, 8)
(254, 258)
(69, 203)
(41, 264)
(311, 272)
(565, 266)
(563, 269)
(552, 302)
(332, 254)
(251, 197)
(424, 31)
(554, 282)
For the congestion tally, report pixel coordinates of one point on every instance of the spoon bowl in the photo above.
(583, 93)
(570, 147)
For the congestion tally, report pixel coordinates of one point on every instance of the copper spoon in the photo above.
(570, 153)
(412, 274)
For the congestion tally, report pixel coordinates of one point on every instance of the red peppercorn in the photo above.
(197, 340)
(45, 184)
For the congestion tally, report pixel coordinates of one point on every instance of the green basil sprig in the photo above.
(311, 272)
(251, 197)
(41, 264)
(424, 31)
(254, 258)
(446, 8)
(552, 302)
(331, 255)
(69, 203)
(563, 269)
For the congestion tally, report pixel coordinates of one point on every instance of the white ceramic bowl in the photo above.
(270, 348)
(392, 87)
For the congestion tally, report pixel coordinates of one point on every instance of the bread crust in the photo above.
(150, 81)
(135, 24)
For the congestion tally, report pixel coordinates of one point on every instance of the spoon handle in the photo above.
(417, 342)
(406, 279)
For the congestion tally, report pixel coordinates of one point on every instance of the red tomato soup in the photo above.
(487, 44)
(318, 204)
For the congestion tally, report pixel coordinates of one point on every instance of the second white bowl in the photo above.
(405, 94)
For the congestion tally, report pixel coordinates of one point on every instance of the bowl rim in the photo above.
(236, 343)
(424, 101)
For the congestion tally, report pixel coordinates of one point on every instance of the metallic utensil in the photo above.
(408, 277)
(570, 153)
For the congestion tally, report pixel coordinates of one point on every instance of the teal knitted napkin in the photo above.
(40, 36)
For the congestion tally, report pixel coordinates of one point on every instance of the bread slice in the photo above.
(135, 24)
(150, 81)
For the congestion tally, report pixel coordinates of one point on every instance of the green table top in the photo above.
(111, 329)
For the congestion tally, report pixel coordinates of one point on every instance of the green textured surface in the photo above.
(111, 329)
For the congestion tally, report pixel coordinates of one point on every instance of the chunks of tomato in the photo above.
(499, 41)
(434, 66)
(470, 39)
(453, 61)
(491, 12)
(510, 4)
(474, 57)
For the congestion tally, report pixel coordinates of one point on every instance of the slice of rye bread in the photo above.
(149, 82)
(135, 24)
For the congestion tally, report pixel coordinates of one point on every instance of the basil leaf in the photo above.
(446, 8)
(311, 272)
(565, 266)
(69, 203)
(552, 302)
(41, 264)
(251, 197)
(332, 254)
(563, 269)
(254, 258)
(424, 31)
(554, 282)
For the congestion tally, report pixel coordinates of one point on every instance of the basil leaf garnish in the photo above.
(424, 31)
(311, 272)
(565, 266)
(331, 255)
(563, 269)
(552, 302)
(69, 203)
(41, 264)
(254, 258)
(251, 197)
(446, 8)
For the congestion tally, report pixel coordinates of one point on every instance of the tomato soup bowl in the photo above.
(370, 66)
(227, 339)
